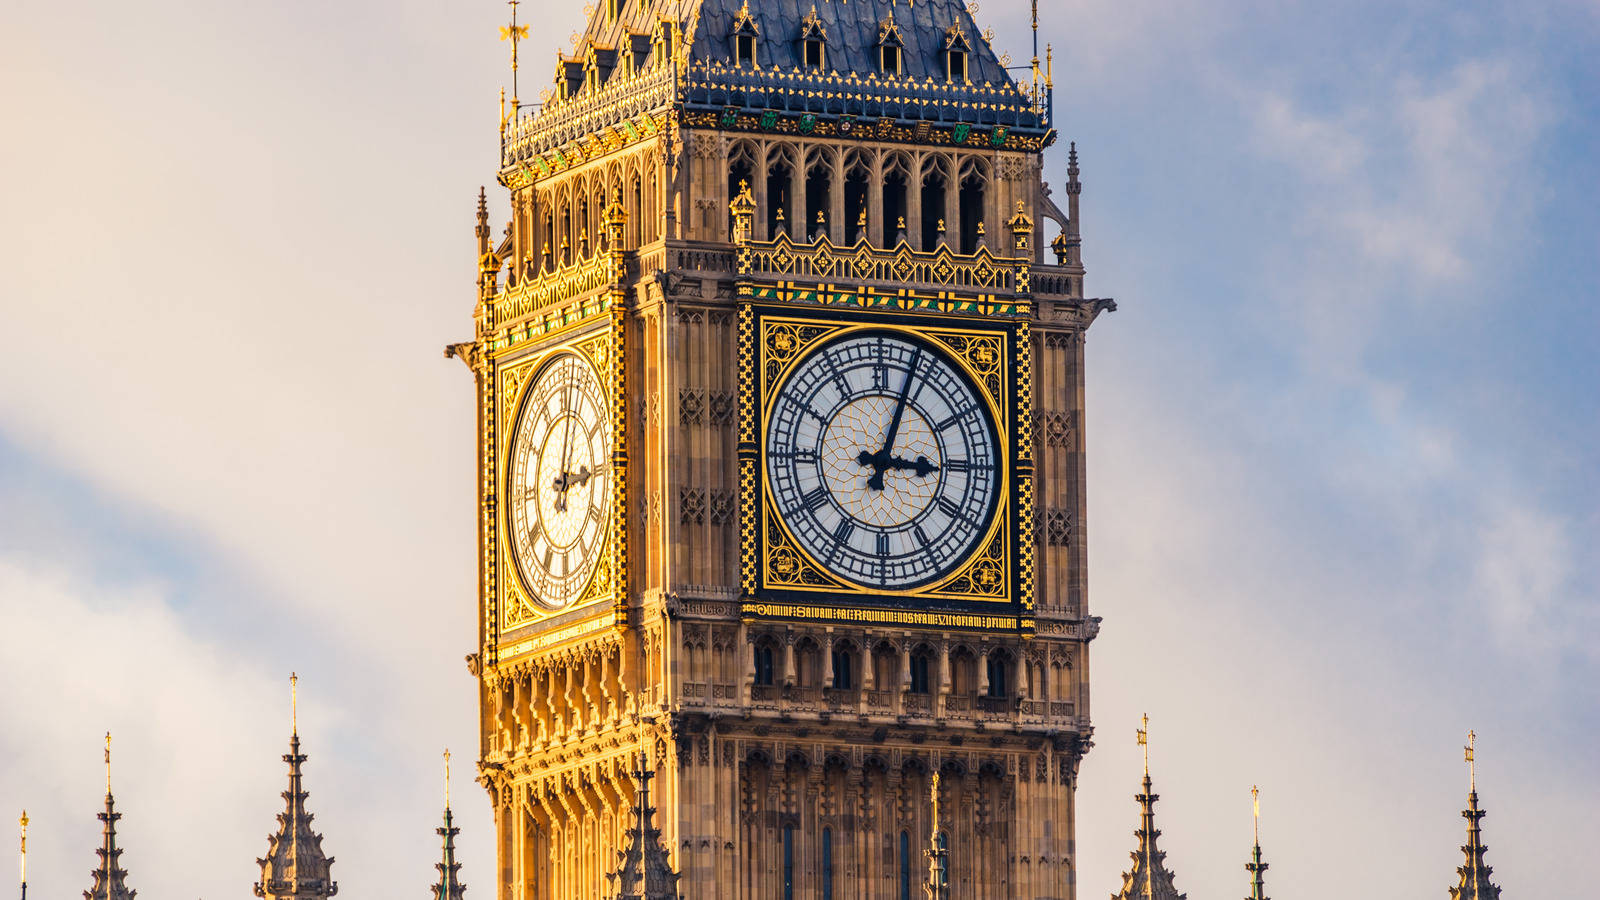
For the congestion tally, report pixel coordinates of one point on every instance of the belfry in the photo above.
(780, 412)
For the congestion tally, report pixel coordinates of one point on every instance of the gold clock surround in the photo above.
(515, 379)
(778, 573)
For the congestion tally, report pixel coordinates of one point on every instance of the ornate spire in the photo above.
(110, 879)
(643, 870)
(938, 886)
(1475, 883)
(1258, 889)
(449, 886)
(24, 866)
(1149, 878)
(295, 867)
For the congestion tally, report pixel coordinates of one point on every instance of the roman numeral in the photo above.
(883, 544)
(955, 417)
(842, 533)
(950, 509)
(814, 500)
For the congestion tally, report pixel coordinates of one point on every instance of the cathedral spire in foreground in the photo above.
(1258, 888)
(449, 886)
(110, 879)
(643, 870)
(1475, 883)
(295, 867)
(1149, 878)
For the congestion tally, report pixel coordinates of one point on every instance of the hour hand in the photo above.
(921, 466)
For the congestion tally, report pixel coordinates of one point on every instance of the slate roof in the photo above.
(852, 30)
(851, 27)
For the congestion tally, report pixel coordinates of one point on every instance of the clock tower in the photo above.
(781, 474)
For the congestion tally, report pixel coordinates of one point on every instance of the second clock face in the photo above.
(883, 460)
(559, 481)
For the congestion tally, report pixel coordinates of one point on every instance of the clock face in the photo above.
(882, 459)
(559, 481)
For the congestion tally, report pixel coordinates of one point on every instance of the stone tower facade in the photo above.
(781, 473)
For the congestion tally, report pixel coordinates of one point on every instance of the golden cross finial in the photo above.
(108, 763)
(1144, 741)
(24, 821)
(447, 778)
(1255, 799)
(1472, 763)
(294, 703)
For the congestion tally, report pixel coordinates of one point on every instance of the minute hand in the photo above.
(880, 460)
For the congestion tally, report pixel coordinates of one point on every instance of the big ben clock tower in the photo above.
(781, 470)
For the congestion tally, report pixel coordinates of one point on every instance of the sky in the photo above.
(1342, 430)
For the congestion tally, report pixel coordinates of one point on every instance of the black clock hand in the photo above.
(921, 466)
(880, 460)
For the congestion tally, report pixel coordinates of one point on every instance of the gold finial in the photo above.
(901, 224)
(513, 33)
(861, 220)
(980, 227)
(821, 219)
(1049, 66)
(1255, 799)
(108, 763)
(502, 109)
(934, 791)
(447, 778)
(1472, 763)
(1144, 741)
(294, 703)
(24, 822)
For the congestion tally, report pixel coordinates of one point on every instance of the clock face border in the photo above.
(993, 424)
(514, 378)
(992, 587)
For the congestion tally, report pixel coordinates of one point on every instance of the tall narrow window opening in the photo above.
(747, 50)
(933, 223)
(843, 664)
(998, 670)
(895, 180)
(890, 60)
(971, 200)
(919, 672)
(819, 197)
(780, 202)
(827, 864)
(763, 664)
(788, 862)
(905, 866)
(855, 201)
(958, 65)
(814, 54)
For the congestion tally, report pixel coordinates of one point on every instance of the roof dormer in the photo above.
(813, 41)
(891, 46)
(957, 51)
(743, 38)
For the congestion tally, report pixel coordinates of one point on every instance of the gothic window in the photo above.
(919, 670)
(935, 180)
(746, 50)
(780, 203)
(974, 182)
(889, 60)
(819, 194)
(858, 174)
(896, 176)
(763, 664)
(741, 176)
(999, 668)
(843, 667)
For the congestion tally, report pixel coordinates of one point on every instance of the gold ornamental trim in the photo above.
(784, 564)
(517, 609)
